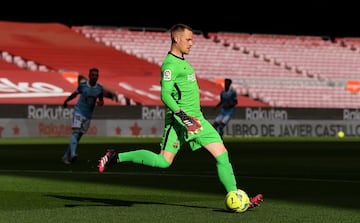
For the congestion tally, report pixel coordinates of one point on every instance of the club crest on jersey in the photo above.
(176, 144)
(167, 75)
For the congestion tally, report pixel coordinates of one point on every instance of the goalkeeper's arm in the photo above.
(192, 124)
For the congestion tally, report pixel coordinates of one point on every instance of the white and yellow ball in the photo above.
(237, 201)
(341, 134)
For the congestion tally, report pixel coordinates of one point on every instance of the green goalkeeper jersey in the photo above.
(179, 87)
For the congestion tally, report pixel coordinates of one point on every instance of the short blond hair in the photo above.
(179, 27)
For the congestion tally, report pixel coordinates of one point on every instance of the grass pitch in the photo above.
(303, 180)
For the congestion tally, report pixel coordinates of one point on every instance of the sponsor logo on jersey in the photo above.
(167, 75)
(191, 77)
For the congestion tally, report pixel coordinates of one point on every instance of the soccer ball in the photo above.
(237, 201)
(341, 134)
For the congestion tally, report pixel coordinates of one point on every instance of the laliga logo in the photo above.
(9, 89)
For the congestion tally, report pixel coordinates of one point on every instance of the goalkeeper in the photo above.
(184, 121)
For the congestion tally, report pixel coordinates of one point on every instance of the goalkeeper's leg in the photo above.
(144, 157)
(225, 172)
(170, 145)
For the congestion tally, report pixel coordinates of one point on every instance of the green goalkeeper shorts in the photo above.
(175, 135)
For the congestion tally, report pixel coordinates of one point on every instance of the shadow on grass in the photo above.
(325, 173)
(122, 203)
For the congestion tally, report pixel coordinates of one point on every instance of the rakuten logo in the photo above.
(45, 112)
(9, 89)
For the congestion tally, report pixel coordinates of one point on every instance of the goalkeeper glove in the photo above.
(192, 124)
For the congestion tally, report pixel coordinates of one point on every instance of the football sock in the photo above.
(144, 157)
(75, 136)
(225, 172)
(80, 134)
(221, 130)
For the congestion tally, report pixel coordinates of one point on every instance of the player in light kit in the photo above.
(91, 94)
(184, 121)
(227, 103)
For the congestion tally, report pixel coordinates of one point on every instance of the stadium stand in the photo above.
(150, 45)
(280, 70)
(268, 70)
(321, 60)
(11, 62)
(133, 79)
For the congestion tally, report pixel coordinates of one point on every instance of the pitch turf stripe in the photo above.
(181, 174)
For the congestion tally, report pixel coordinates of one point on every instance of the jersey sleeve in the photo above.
(101, 94)
(167, 85)
(234, 95)
(78, 90)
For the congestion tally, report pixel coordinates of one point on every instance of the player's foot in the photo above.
(256, 201)
(65, 160)
(73, 159)
(109, 159)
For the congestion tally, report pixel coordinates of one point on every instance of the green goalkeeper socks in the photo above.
(144, 157)
(225, 172)
(148, 158)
